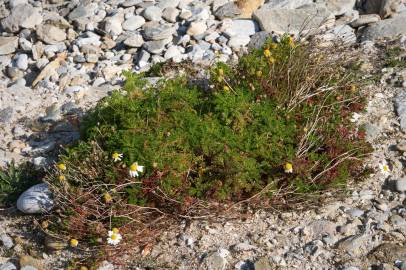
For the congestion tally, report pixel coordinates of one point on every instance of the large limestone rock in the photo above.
(386, 28)
(35, 200)
(282, 20)
(22, 16)
(340, 7)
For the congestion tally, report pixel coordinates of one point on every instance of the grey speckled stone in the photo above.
(35, 200)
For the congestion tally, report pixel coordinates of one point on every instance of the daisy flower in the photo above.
(384, 167)
(117, 156)
(135, 169)
(73, 242)
(114, 237)
(288, 167)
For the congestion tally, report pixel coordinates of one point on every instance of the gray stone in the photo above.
(8, 266)
(172, 52)
(170, 14)
(156, 46)
(152, 13)
(130, 3)
(258, 40)
(243, 247)
(133, 23)
(168, 3)
(288, 4)
(6, 114)
(154, 31)
(6, 240)
(340, 33)
(340, 7)
(385, 29)
(355, 212)
(229, 10)
(400, 106)
(365, 19)
(134, 41)
(216, 260)
(400, 185)
(28, 267)
(82, 11)
(105, 265)
(22, 61)
(8, 45)
(50, 34)
(319, 228)
(143, 58)
(35, 200)
(355, 245)
(112, 24)
(292, 20)
(22, 16)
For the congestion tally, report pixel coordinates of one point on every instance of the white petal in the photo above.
(140, 168)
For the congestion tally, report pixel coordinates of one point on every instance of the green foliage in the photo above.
(286, 103)
(395, 57)
(15, 180)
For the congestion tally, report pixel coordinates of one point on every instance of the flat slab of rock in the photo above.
(283, 20)
(8, 45)
(35, 200)
(385, 28)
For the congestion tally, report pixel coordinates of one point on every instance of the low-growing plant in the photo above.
(16, 179)
(273, 126)
(395, 57)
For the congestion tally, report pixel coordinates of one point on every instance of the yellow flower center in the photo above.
(385, 168)
(115, 230)
(288, 166)
(267, 53)
(116, 155)
(226, 88)
(114, 236)
(61, 166)
(62, 178)
(134, 167)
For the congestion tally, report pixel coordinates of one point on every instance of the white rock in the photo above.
(238, 41)
(35, 200)
(153, 13)
(133, 23)
(22, 61)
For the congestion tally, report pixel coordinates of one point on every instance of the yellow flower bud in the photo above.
(259, 73)
(74, 242)
(107, 197)
(226, 88)
(62, 178)
(61, 166)
(115, 230)
(267, 53)
(221, 72)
